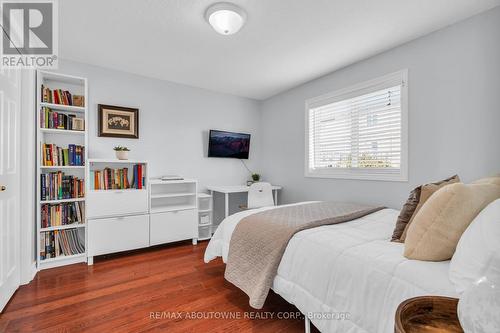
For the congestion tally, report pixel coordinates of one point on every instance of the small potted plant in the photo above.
(255, 177)
(121, 152)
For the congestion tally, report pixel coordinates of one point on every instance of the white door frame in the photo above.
(25, 256)
(10, 123)
(28, 174)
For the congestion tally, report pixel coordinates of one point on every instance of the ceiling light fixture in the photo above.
(226, 18)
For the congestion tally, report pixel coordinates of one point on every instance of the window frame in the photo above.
(399, 77)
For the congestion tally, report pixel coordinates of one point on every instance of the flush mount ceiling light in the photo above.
(226, 18)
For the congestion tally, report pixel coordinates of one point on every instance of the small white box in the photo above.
(204, 219)
(204, 232)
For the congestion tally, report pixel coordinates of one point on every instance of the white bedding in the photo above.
(348, 269)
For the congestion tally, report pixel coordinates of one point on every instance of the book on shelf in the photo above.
(138, 180)
(58, 186)
(58, 120)
(78, 100)
(53, 155)
(63, 97)
(61, 242)
(62, 214)
(117, 179)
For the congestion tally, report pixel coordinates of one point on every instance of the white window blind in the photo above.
(358, 133)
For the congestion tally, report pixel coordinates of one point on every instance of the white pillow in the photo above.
(477, 249)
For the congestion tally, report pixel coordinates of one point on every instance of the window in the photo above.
(359, 132)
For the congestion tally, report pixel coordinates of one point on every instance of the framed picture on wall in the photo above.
(118, 121)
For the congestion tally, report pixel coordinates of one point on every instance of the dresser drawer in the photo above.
(116, 202)
(117, 234)
(173, 226)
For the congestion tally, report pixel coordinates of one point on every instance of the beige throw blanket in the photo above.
(259, 241)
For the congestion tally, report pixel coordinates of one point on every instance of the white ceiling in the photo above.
(283, 44)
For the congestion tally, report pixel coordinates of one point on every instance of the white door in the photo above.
(10, 101)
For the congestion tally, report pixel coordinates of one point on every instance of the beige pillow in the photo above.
(437, 227)
(425, 193)
(409, 208)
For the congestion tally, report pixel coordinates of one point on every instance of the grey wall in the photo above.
(174, 121)
(454, 115)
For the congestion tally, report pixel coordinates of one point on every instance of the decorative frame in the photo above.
(118, 121)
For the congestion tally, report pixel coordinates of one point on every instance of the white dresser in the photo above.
(120, 220)
(173, 211)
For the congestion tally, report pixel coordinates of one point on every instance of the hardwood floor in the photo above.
(161, 289)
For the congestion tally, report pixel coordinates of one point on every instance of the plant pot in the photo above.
(121, 154)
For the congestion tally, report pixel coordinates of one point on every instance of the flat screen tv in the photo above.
(228, 144)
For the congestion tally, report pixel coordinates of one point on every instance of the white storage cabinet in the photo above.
(173, 211)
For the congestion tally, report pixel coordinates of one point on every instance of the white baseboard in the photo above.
(31, 275)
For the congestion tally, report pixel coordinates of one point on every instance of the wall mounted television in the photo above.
(228, 144)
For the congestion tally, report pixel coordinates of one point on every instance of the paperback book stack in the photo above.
(54, 155)
(117, 179)
(62, 214)
(58, 186)
(58, 120)
(59, 96)
(61, 242)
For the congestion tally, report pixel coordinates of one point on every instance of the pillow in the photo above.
(478, 248)
(410, 206)
(434, 233)
(406, 214)
(425, 194)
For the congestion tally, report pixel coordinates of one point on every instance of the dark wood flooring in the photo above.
(162, 289)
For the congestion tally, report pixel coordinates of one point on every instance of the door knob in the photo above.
(3, 188)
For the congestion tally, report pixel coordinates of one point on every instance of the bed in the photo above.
(346, 277)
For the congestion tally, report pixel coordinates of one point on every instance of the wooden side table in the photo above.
(428, 314)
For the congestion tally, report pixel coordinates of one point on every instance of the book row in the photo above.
(53, 155)
(62, 214)
(58, 186)
(58, 120)
(61, 242)
(59, 96)
(117, 179)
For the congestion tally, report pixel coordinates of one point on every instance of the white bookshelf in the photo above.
(116, 202)
(62, 132)
(63, 260)
(167, 196)
(205, 217)
(63, 167)
(63, 227)
(171, 195)
(99, 164)
(60, 137)
(61, 201)
(61, 107)
(117, 218)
